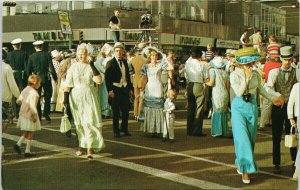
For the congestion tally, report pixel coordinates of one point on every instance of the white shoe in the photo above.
(246, 181)
(209, 114)
(238, 171)
(78, 153)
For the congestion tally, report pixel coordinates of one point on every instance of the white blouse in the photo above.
(238, 84)
(293, 103)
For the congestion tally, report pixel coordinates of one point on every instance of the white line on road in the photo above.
(183, 155)
(202, 184)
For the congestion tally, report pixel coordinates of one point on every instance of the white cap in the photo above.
(118, 45)
(55, 53)
(39, 42)
(16, 41)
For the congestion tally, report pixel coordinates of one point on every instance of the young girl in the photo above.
(28, 118)
(169, 107)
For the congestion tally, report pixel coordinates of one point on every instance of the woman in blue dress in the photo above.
(246, 82)
(105, 56)
(153, 94)
(219, 80)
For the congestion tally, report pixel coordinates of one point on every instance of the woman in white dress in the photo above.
(84, 102)
(153, 94)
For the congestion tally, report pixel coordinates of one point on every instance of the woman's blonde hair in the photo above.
(33, 79)
(153, 53)
(172, 94)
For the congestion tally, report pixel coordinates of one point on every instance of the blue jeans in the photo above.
(115, 36)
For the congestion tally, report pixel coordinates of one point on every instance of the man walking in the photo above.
(196, 74)
(40, 63)
(137, 63)
(17, 59)
(281, 80)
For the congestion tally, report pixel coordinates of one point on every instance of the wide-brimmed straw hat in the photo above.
(247, 55)
(148, 48)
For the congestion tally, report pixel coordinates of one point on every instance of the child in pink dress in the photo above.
(28, 120)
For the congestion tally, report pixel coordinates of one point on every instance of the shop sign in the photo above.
(227, 44)
(193, 40)
(50, 36)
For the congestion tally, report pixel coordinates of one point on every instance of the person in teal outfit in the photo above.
(246, 83)
(219, 80)
(105, 56)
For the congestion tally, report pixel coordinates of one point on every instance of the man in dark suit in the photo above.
(40, 63)
(119, 89)
(17, 59)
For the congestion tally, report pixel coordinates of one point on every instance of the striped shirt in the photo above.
(273, 50)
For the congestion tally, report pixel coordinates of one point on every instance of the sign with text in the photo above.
(64, 20)
(193, 40)
(227, 44)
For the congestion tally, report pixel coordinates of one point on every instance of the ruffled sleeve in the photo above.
(144, 70)
(69, 83)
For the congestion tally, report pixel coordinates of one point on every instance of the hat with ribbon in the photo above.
(118, 45)
(39, 42)
(218, 62)
(150, 49)
(286, 52)
(16, 41)
(247, 55)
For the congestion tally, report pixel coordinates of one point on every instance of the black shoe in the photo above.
(29, 155)
(171, 141)
(117, 135)
(164, 140)
(90, 157)
(17, 149)
(47, 118)
(200, 135)
(277, 169)
(69, 133)
(127, 134)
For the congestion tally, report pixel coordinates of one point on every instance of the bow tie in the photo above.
(120, 62)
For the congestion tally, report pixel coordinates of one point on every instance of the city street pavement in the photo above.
(139, 161)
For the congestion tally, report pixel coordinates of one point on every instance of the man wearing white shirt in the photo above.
(196, 74)
(280, 83)
(9, 89)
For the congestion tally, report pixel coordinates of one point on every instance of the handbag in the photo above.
(291, 140)
(65, 124)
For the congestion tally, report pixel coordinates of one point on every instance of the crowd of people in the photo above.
(93, 87)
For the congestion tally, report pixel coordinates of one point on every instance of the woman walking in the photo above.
(84, 101)
(246, 83)
(219, 80)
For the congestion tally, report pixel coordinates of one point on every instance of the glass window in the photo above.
(87, 5)
(193, 13)
(38, 8)
(54, 6)
(202, 17)
(173, 10)
(24, 8)
(246, 18)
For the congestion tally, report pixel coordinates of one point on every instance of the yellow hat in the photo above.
(247, 55)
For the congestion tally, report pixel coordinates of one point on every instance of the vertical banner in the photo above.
(64, 20)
